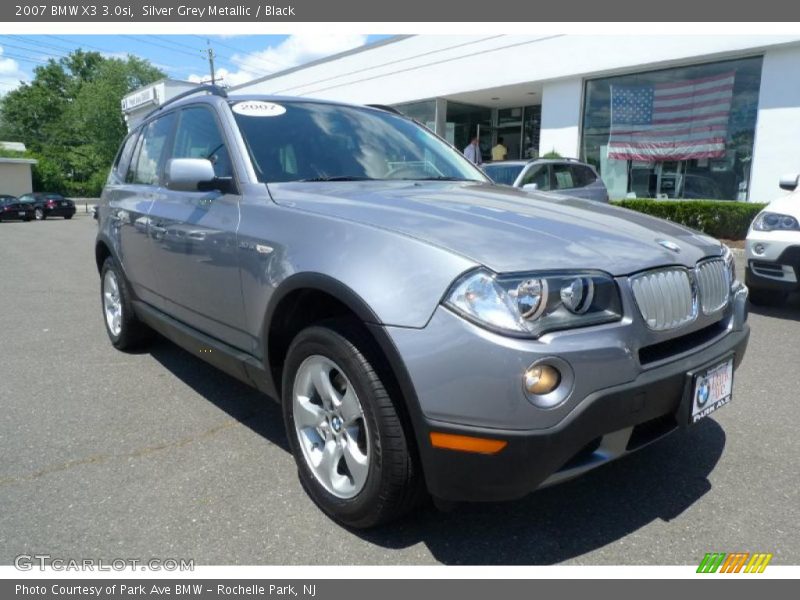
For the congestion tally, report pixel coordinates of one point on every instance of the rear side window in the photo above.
(562, 175)
(582, 175)
(198, 136)
(147, 170)
(124, 157)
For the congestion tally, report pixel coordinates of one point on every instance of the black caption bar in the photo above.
(402, 11)
(396, 589)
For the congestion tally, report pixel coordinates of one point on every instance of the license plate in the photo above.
(712, 389)
(65, 204)
(21, 213)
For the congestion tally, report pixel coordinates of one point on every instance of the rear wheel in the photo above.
(124, 329)
(39, 215)
(763, 297)
(68, 217)
(353, 452)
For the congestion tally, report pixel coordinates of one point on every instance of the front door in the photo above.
(197, 261)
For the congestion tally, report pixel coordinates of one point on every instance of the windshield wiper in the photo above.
(339, 178)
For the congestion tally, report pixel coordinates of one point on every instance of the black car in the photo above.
(48, 204)
(11, 209)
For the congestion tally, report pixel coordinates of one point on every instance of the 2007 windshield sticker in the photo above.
(258, 108)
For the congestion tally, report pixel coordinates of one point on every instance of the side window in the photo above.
(562, 174)
(198, 136)
(124, 156)
(583, 176)
(540, 176)
(146, 171)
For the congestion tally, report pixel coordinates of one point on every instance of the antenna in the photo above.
(211, 57)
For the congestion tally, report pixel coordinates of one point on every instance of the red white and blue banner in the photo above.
(671, 121)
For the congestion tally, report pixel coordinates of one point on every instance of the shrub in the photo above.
(717, 218)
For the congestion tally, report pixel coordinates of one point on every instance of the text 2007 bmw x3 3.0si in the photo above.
(427, 332)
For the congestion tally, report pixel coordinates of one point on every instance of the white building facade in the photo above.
(567, 94)
(138, 104)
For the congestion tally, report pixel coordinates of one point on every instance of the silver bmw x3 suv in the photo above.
(426, 332)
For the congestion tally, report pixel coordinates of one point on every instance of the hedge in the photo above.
(718, 218)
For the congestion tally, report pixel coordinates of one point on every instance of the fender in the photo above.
(384, 343)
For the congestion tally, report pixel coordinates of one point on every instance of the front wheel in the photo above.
(67, 217)
(124, 329)
(353, 450)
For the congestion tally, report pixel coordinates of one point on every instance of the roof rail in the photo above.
(214, 90)
(385, 107)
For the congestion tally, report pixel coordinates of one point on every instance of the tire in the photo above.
(67, 217)
(126, 332)
(39, 215)
(391, 484)
(764, 297)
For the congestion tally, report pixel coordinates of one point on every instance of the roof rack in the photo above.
(214, 90)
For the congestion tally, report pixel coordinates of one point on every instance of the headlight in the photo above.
(533, 304)
(767, 221)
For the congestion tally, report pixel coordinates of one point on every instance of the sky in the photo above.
(238, 58)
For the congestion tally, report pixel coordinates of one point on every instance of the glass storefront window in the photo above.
(422, 112)
(464, 120)
(685, 132)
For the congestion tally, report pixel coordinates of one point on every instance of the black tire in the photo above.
(394, 483)
(38, 214)
(133, 333)
(67, 217)
(763, 297)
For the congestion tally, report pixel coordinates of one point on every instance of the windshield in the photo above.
(311, 141)
(505, 174)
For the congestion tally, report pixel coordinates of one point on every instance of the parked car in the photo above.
(563, 175)
(423, 329)
(11, 209)
(49, 204)
(773, 247)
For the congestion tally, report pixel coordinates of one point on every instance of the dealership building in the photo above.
(690, 116)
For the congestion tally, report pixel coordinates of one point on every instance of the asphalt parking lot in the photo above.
(156, 454)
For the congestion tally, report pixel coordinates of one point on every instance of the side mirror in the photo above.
(790, 181)
(530, 187)
(189, 174)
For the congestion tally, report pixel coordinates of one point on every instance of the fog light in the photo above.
(758, 249)
(541, 379)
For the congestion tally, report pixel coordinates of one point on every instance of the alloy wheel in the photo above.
(330, 427)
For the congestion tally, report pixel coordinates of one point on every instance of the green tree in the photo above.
(69, 117)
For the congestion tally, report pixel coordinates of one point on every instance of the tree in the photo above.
(69, 117)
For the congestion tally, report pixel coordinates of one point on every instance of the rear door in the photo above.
(197, 254)
(130, 192)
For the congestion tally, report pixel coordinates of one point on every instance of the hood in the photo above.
(503, 228)
(786, 205)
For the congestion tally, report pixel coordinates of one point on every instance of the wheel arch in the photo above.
(303, 290)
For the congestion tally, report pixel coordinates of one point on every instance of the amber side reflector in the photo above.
(466, 443)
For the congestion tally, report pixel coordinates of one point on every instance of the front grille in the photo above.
(666, 298)
(714, 285)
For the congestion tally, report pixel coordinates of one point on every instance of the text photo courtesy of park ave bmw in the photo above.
(373, 299)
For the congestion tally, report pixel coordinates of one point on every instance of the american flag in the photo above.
(671, 121)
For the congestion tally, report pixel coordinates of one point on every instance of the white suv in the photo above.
(773, 247)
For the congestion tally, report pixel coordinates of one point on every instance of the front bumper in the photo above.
(617, 404)
(776, 266)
